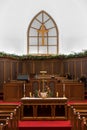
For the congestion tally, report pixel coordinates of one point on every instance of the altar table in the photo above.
(44, 108)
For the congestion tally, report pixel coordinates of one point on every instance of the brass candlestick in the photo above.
(43, 78)
(24, 89)
(63, 90)
(43, 86)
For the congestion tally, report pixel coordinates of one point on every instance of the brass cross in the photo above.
(42, 30)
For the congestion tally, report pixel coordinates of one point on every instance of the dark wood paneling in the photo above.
(9, 68)
(71, 67)
(14, 70)
(78, 68)
(27, 67)
(30, 67)
(14, 91)
(1, 75)
(57, 67)
(48, 67)
(38, 66)
(7, 71)
(84, 66)
(19, 68)
(65, 67)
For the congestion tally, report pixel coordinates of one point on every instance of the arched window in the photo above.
(42, 35)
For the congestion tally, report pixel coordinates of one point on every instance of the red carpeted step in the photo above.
(52, 125)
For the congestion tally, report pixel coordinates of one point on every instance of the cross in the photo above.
(42, 30)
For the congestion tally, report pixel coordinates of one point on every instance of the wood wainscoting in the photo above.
(14, 91)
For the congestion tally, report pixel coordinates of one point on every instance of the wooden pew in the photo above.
(78, 121)
(84, 123)
(78, 106)
(9, 118)
(81, 122)
(3, 126)
(6, 109)
(73, 119)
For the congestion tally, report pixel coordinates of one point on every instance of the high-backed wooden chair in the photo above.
(51, 85)
(35, 88)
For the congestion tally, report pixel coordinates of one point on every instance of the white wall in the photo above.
(69, 15)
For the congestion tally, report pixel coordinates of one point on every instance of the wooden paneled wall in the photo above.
(10, 68)
(35, 66)
(75, 66)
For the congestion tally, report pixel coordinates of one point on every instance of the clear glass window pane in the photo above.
(39, 17)
(45, 17)
(33, 41)
(52, 41)
(33, 32)
(33, 49)
(52, 50)
(49, 24)
(52, 32)
(42, 50)
(36, 24)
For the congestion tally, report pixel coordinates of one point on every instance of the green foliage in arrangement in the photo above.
(42, 57)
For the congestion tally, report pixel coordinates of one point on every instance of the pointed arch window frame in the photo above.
(38, 37)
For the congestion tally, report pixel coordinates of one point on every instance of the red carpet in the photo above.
(9, 103)
(77, 102)
(52, 125)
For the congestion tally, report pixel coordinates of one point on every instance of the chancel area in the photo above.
(44, 85)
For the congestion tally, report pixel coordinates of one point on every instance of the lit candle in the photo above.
(57, 94)
(30, 94)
